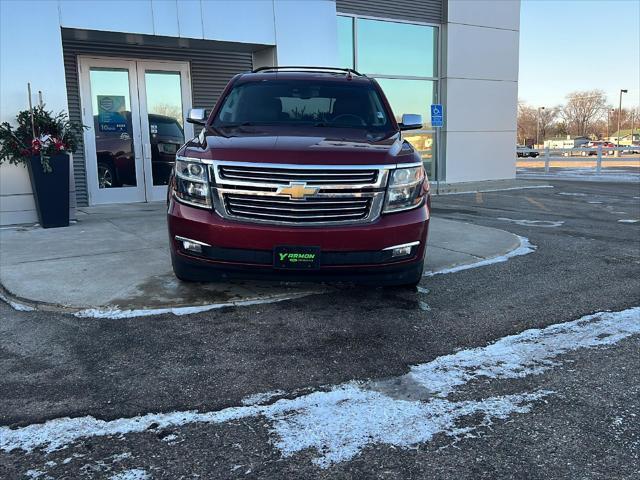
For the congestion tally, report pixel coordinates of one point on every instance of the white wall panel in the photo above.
(132, 16)
(477, 156)
(481, 105)
(476, 52)
(306, 32)
(165, 17)
(488, 13)
(248, 21)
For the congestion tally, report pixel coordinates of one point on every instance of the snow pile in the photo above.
(340, 422)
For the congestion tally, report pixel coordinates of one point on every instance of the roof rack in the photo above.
(348, 71)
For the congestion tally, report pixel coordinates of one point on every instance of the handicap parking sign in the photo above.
(437, 115)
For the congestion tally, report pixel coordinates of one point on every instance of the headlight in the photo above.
(405, 189)
(192, 182)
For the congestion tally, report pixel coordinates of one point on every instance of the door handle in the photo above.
(147, 151)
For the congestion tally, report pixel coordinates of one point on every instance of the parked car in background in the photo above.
(116, 161)
(524, 151)
(593, 145)
(300, 174)
(633, 149)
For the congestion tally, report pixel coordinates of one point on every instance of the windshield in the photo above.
(304, 102)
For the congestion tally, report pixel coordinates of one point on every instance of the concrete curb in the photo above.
(19, 303)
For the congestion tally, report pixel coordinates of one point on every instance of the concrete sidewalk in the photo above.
(117, 257)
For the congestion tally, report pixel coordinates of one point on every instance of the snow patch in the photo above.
(15, 305)
(34, 473)
(573, 194)
(115, 313)
(260, 398)
(131, 474)
(528, 353)
(339, 422)
(628, 220)
(586, 176)
(497, 189)
(525, 248)
(534, 223)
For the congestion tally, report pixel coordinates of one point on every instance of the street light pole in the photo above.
(538, 125)
(622, 90)
(620, 115)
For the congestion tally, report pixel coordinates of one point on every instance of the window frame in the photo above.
(438, 163)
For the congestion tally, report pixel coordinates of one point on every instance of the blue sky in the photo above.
(568, 45)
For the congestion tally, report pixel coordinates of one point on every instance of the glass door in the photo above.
(110, 110)
(164, 101)
(135, 113)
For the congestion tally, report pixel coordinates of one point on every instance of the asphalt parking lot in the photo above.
(446, 382)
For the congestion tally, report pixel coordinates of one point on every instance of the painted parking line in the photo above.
(338, 422)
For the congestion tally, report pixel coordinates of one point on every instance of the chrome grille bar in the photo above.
(333, 195)
(310, 176)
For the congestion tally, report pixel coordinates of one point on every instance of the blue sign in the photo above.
(437, 115)
(112, 113)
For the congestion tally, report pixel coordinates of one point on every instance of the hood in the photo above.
(341, 148)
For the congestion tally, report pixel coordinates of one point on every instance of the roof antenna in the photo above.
(349, 76)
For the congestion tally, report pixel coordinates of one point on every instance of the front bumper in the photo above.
(348, 253)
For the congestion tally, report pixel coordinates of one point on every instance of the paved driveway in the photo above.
(520, 369)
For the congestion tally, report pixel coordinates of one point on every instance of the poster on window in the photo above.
(112, 113)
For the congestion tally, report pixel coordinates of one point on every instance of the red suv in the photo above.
(300, 173)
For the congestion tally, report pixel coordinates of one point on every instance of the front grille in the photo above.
(339, 194)
(311, 176)
(310, 210)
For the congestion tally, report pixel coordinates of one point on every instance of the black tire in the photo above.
(106, 176)
(410, 283)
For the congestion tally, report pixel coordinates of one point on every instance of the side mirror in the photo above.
(197, 116)
(411, 121)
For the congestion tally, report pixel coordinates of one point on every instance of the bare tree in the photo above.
(582, 110)
(625, 119)
(526, 122)
(546, 119)
(168, 110)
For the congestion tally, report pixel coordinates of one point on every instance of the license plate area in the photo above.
(296, 258)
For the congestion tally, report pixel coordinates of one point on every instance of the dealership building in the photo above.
(156, 59)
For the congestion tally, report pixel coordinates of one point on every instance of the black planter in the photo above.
(51, 190)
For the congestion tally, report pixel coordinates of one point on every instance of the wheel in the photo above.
(106, 176)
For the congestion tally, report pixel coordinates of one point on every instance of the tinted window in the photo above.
(409, 96)
(345, 42)
(396, 48)
(165, 127)
(304, 102)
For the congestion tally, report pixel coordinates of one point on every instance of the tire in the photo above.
(106, 176)
(410, 283)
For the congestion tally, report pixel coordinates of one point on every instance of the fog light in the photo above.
(191, 245)
(403, 250)
(194, 247)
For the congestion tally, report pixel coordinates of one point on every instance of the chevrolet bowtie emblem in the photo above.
(297, 190)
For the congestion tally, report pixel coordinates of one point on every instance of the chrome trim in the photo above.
(193, 204)
(411, 244)
(194, 159)
(185, 239)
(404, 209)
(376, 191)
(381, 177)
